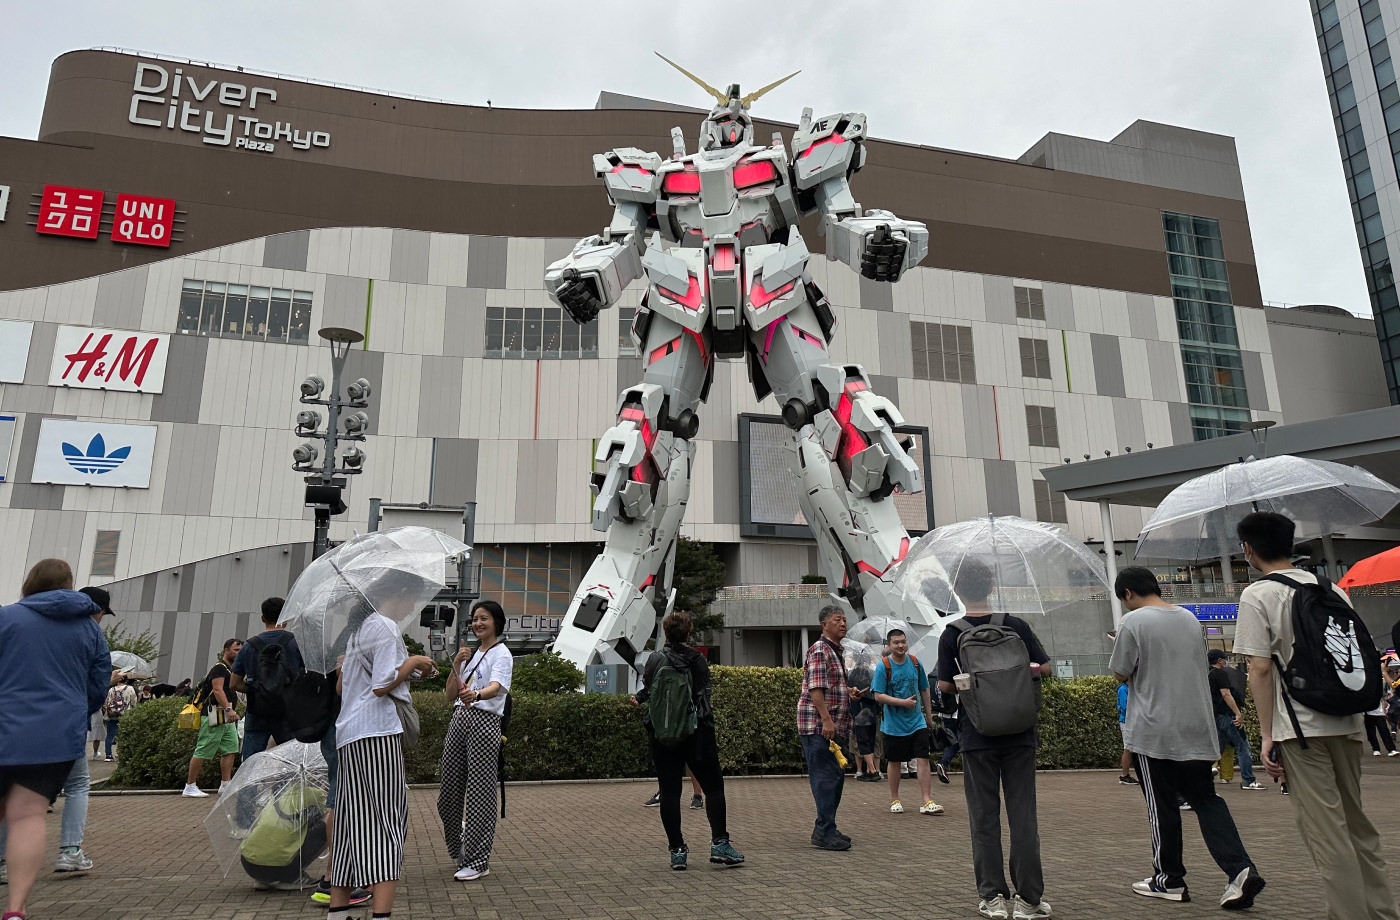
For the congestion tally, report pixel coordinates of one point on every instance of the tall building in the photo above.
(1356, 40)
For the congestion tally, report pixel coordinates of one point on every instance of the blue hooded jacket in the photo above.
(54, 674)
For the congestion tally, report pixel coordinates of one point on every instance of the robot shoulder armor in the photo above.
(827, 148)
(630, 174)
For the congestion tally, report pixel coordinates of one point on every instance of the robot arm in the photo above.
(875, 243)
(599, 268)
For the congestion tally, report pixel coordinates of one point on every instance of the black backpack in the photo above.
(1335, 669)
(310, 705)
(271, 678)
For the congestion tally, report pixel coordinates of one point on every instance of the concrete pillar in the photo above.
(1330, 561)
(1111, 560)
(806, 644)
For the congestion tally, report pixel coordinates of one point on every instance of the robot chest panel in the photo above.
(710, 193)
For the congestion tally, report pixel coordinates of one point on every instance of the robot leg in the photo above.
(849, 460)
(640, 490)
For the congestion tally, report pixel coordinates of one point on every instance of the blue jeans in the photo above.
(75, 807)
(827, 780)
(1232, 735)
(112, 726)
(255, 740)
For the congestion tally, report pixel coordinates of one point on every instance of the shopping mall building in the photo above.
(179, 232)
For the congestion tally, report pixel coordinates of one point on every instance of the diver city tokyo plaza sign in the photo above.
(109, 359)
(94, 454)
(223, 114)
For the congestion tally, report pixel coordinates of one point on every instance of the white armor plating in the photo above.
(715, 235)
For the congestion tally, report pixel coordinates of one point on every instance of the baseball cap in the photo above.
(1215, 655)
(101, 598)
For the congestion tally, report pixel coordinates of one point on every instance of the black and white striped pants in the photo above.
(371, 815)
(469, 763)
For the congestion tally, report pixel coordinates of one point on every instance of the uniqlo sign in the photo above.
(144, 221)
(67, 211)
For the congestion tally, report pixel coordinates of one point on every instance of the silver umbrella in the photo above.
(271, 815)
(1035, 567)
(132, 665)
(1197, 520)
(393, 572)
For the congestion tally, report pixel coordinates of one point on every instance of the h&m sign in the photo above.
(109, 359)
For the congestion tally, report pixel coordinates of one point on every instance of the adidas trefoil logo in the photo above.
(95, 459)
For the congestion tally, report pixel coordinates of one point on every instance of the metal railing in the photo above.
(1170, 591)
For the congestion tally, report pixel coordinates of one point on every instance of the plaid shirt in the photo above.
(823, 670)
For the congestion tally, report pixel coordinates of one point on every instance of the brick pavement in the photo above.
(592, 852)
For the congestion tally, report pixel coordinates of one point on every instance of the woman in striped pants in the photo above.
(372, 798)
(471, 752)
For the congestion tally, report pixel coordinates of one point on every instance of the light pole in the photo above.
(325, 482)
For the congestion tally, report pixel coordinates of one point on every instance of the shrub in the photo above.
(756, 719)
(544, 672)
(154, 752)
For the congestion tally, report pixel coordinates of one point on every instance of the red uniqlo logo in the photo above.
(67, 211)
(142, 220)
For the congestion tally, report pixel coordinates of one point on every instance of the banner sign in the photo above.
(143, 221)
(14, 350)
(109, 359)
(94, 454)
(65, 211)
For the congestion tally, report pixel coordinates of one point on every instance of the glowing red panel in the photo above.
(834, 139)
(621, 166)
(723, 259)
(871, 570)
(651, 579)
(682, 183)
(758, 172)
(691, 299)
(700, 342)
(631, 415)
(855, 386)
(852, 441)
(648, 435)
(761, 298)
(669, 348)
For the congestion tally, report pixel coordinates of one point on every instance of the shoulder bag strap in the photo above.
(1288, 703)
(998, 619)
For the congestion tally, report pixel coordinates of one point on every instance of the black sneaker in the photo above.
(942, 772)
(322, 894)
(1129, 780)
(654, 801)
(697, 801)
(835, 842)
(678, 858)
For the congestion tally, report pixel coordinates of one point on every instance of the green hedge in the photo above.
(577, 736)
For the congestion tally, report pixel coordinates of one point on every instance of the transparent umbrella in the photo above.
(393, 572)
(132, 665)
(1035, 567)
(1197, 520)
(270, 818)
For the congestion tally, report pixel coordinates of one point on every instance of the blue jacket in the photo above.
(54, 674)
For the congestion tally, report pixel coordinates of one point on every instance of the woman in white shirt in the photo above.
(479, 683)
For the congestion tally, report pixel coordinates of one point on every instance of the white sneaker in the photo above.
(995, 909)
(1021, 910)
(1375, 753)
(896, 808)
(930, 808)
(1256, 785)
(194, 792)
(1393, 754)
(467, 874)
(73, 861)
(1149, 888)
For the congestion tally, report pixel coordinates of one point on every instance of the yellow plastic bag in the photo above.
(189, 718)
(836, 752)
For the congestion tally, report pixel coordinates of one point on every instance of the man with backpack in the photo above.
(900, 685)
(265, 670)
(1313, 671)
(994, 662)
(120, 699)
(1170, 729)
(218, 718)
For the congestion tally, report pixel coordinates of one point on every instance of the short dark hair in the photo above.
(47, 575)
(1217, 654)
(272, 610)
(826, 612)
(100, 597)
(677, 627)
(229, 643)
(889, 636)
(1138, 580)
(974, 580)
(1268, 533)
(498, 616)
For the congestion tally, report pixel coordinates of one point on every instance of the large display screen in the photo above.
(769, 494)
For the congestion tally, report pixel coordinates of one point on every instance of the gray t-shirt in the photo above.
(1162, 653)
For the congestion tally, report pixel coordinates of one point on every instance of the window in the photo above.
(1035, 358)
(1030, 303)
(943, 352)
(104, 552)
(241, 311)
(625, 346)
(1049, 504)
(1040, 425)
(533, 333)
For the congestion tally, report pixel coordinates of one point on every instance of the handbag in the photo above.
(189, 718)
(408, 718)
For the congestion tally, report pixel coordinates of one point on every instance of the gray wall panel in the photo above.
(57, 534)
(876, 295)
(1254, 380)
(206, 638)
(37, 497)
(1000, 297)
(464, 329)
(18, 397)
(536, 482)
(120, 297)
(629, 373)
(440, 397)
(1003, 497)
(184, 380)
(556, 249)
(188, 489)
(148, 592)
(41, 342)
(243, 625)
(486, 262)
(167, 649)
(408, 256)
(895, 357)
(454, 470)
(369, 365)
(1142, 317)
(1108, 365)
(887, 387)
(980, 421)
(287, 250)
(1127, 421)
(1163, 359)
(1059, 306)
(188, 573)
(1180, 415)
(726, 473)
(345, 300)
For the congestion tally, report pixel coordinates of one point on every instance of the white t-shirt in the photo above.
(496, 666)
(1265, 628)
(372, 659)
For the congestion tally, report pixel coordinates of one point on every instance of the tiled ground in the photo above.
(592, 852)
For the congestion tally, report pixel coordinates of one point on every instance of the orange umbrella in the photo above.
(1374, 570)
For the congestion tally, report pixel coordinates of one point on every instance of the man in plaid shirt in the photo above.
(823, 713)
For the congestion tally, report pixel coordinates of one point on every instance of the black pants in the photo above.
(701, 754)
(1162, 782)
(1377, 725)
(989, 776)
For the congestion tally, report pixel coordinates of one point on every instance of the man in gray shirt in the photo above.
(1170, 728)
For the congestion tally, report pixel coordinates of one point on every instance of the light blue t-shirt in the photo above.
(905, 680)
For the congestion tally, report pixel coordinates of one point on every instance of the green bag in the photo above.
(671, 703)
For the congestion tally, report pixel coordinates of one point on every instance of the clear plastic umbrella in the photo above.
(132, 665)
(1197, 520)
(270, 818)
(393, 572)
(1035, 567)
(871, 632)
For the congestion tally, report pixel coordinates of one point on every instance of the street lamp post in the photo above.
(325, 481)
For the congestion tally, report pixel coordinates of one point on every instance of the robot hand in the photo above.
(883, 258)
(578, 294)
(878, 244)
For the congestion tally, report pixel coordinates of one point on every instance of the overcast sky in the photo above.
(989, 78)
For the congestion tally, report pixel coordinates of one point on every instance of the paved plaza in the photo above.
(592, 852)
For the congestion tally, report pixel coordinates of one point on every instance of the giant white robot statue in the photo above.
(715, 235)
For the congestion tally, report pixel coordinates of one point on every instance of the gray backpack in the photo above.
(1004, 698)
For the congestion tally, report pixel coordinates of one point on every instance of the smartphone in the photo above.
(1112, 635)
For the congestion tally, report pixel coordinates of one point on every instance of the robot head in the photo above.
(727, 125)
